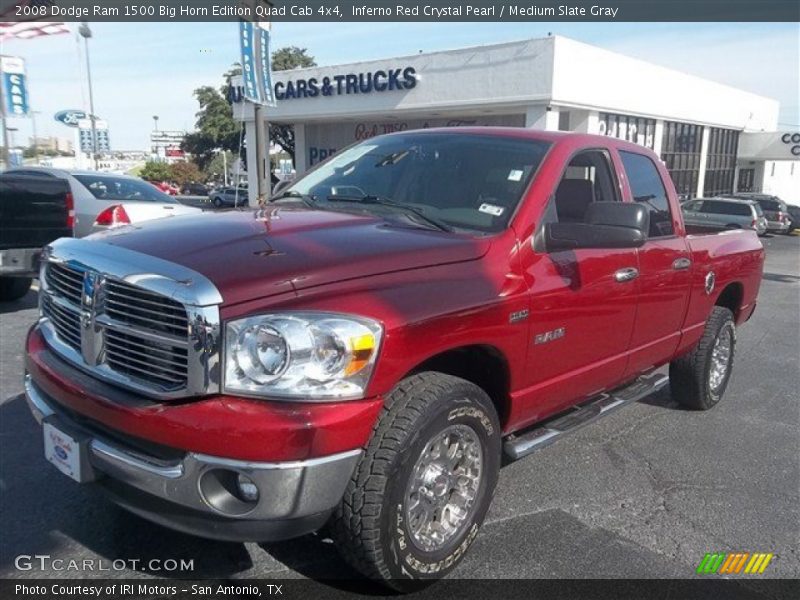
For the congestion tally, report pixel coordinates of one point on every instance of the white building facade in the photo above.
(700, 128)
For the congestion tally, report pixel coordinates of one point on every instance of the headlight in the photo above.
(312, 356)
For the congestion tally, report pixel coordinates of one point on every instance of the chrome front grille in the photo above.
(67, 322)
(65, 282)
(142, 330)
(160, 362)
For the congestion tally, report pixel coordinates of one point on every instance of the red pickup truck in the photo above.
(363, 351)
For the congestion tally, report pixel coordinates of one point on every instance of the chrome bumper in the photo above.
(293, 491)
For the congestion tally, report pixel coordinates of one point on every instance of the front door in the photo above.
(582, 310)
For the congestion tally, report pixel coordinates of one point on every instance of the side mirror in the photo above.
(606, 225)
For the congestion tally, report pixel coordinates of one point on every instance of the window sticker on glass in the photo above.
(515, 175)
(491, 209)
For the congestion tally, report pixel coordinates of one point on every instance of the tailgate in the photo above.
(33, 211)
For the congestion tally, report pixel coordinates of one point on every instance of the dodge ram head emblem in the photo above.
(89, 287)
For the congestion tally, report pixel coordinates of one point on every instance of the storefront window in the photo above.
(723, 145)
(680, 151)
(633, 129)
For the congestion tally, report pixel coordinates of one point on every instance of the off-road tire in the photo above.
(368, 526)
(689, 375)
(14, 288)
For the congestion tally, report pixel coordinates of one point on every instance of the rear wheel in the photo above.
(699, 378)
(421, 491)
(14, 288)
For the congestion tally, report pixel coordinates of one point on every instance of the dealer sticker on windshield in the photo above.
(491, 209)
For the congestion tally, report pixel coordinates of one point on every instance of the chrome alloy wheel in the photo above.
(721, 357)
(441, 494)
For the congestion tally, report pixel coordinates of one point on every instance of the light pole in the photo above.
(86, 33)
(35, 140)
(155, 122)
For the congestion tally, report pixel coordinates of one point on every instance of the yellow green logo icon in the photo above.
(734, 563)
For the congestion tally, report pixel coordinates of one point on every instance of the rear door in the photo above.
(664, 266)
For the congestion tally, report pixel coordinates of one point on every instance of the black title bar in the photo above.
(402, 10)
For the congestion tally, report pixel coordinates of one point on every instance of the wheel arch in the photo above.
(484, 365)
(731, 297)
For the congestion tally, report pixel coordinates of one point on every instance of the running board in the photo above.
(518, 445)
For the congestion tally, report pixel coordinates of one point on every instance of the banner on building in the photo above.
(14, 84)
(254, 41)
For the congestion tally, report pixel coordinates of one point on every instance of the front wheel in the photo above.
(421, 491)
(699, 378)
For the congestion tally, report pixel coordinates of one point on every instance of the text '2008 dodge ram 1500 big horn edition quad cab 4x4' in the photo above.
(363, 350)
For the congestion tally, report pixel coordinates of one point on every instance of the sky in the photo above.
(145, 69)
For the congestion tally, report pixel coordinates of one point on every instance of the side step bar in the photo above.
(543, 434)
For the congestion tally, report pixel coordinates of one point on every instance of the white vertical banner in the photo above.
(265, 60)
(255, 45)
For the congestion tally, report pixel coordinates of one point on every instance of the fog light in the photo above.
(248, 491)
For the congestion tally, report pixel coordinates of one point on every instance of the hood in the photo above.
(255, 254)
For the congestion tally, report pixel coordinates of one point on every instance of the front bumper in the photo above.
(196, 493)
(21, 262)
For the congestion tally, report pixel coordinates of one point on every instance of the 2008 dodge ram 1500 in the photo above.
(362, 351)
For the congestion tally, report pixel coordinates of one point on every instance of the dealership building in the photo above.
(713, 138)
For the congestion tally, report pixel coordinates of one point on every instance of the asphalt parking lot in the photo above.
(644, 493)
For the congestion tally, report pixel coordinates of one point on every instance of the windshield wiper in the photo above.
(307, 199)
(381, 201)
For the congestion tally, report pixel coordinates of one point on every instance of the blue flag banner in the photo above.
(265, 59)
(15, 89)
(250, 68)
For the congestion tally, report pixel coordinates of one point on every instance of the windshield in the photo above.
(108, 187)
(467, 181)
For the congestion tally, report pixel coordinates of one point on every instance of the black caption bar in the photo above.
(402, 10)
(244, 589)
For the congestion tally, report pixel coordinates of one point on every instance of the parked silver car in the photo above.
(775, 210)
(724, 213)
(104, 200)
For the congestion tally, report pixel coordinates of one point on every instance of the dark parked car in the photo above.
(194, 189)
(34, 211)
(794, 217)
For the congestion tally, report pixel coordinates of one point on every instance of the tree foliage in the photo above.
(215, 126)
(292, 57)
(185, 172)
(155, 171)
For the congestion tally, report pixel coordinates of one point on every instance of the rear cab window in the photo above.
(648, 188)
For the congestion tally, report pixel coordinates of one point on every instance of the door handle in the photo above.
(681, 264)
(628, 274)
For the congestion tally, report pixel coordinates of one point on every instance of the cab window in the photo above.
(648, 189)
(588, 178)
